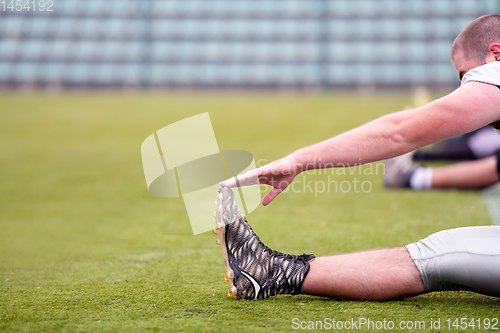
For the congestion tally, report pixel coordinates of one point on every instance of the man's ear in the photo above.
(494, 49)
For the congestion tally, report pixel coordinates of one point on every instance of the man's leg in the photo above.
(457, 259)
(402, 172)
(255, 271)
(374, 275)
(467, 175)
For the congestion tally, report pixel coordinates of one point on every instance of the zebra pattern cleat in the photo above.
(253, 270)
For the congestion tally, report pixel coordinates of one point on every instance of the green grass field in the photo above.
(84, 247)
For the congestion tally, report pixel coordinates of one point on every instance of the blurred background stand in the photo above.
(323, 45)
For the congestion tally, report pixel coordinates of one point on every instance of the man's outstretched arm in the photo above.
(470, 107)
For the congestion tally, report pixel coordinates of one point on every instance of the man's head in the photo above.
(477, 44)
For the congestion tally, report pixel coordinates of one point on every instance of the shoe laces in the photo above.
(304, 258)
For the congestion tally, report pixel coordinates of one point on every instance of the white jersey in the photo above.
(489, 73)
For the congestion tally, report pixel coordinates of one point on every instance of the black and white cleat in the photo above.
(253, 270)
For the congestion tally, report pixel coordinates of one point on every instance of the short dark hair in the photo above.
(475, 39)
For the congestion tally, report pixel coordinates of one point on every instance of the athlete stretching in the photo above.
(458, 259)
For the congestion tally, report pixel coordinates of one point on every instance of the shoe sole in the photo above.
(220, 231)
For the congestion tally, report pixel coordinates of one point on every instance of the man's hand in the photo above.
(278, 174)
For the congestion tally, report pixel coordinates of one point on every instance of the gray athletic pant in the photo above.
(460, 259)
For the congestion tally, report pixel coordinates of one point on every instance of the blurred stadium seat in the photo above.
(235, 43)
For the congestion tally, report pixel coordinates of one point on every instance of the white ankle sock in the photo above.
(421, 179)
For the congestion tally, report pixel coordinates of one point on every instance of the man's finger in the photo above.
(246, 179)
(270, 196)
(231, 182)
